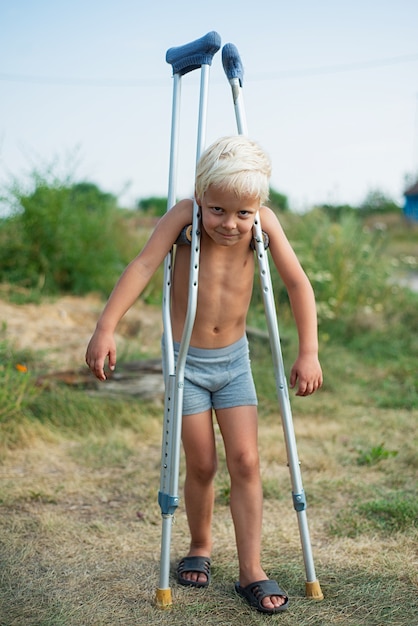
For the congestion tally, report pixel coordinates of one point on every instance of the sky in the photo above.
(330, 92)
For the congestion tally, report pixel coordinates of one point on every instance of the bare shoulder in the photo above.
(270, 223)
(282, 252)
(181, 213)
(166, 232)
(172, 222)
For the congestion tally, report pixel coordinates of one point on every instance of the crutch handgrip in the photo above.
(192, 55)
(232, 64)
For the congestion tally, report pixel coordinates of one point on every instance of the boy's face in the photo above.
(227, 218)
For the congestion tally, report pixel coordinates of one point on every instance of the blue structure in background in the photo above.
(411, 203)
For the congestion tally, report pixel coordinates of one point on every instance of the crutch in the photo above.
(184, 59)
(234, 71)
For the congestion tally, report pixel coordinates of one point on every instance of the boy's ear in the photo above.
(196, 195)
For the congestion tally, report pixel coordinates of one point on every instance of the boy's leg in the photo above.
(239, 426)
(201, 463)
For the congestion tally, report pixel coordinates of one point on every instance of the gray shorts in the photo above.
(220, 378)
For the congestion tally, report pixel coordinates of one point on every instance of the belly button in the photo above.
(216, 330)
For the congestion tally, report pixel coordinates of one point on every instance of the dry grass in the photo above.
(80, 536)
(80, 526)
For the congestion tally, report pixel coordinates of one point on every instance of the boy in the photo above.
(232, 183)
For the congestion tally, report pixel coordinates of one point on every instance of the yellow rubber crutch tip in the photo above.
(163, 598)
(313, 591)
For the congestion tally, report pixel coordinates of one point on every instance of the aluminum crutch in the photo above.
(234, 71)
(184, 59)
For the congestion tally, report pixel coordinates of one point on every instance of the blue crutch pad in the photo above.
(232, 64)
(194, 54)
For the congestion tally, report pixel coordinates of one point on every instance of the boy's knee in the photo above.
(203, 470)
(244, 465)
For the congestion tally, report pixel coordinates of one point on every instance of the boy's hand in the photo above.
(306, 373)
(101, 346)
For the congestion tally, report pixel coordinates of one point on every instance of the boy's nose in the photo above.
(229, 222)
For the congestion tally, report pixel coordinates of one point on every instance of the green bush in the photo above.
(62, 237)
(346, 266)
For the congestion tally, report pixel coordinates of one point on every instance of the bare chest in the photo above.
(224, 288)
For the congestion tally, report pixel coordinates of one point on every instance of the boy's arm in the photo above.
(131, 284)
(306, 372)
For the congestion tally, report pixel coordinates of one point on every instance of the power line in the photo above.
(281, 74)
(73, 81)
(338, 69)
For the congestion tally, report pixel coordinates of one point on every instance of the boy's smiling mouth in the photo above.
(228, 236)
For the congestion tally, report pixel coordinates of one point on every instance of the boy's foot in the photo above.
(264, 595)
(194, 571)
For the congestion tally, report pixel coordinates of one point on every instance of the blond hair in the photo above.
(235, 164)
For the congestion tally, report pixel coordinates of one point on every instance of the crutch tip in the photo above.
(163, 598)
(313, 591)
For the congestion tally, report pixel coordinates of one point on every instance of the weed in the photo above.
(375, 454)
(17, 388)
(37, 496)
(223, 491)
(395, 512)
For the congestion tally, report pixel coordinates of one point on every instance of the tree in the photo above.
(155, 206)
(337, 211)
(378, 202)
(278, 201)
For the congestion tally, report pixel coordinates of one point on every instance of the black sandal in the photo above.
(200, 564)
(254, 593)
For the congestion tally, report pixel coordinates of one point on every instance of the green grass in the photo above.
(384, 512)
